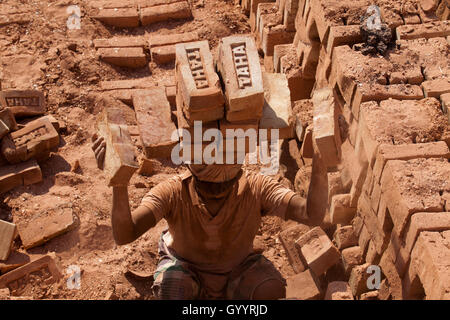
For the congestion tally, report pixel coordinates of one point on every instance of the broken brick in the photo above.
(44, 269)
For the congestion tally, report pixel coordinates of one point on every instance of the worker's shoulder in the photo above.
(257, 179)
(174, 182)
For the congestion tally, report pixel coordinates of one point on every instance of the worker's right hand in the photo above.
(99, 147)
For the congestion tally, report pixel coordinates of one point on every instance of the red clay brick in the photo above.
(371, 295)
(120, 42)
(421, 221)
(16, 259)
(8, 121)
(123, 57)
(358, 279)
(363, 240)
(118, 17)
(378, 92)
(197, 81)
(277, 110)
(396, 122)
(340, 35)
(159, 13)
(280, 51)
(427, 30)
(379, 237)
(430, 260)
(153, 117)
(287, 239)
(120, 158)
(41, 229)
(162, 47)
(239, 67)
(402, 200)
(24, 103)
(334, 185)
(318, 250)
(406, 152)
(435, 88)
(43, 268)
(391, 273)
(351, 257)
(326, 128)
(344, 237)
(303, 286)
(338, 290)
(7, 233)
(34, 141)
(272, 36)
(340, 209)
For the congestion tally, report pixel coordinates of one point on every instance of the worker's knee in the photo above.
(272, 289)
(175, 285)
(259, 280)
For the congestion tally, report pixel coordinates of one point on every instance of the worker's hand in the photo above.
(99, 147)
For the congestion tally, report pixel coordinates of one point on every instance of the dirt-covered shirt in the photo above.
(217, 243)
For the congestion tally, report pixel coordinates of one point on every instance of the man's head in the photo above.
(215, 179)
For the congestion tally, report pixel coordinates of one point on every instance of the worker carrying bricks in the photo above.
(213, 214)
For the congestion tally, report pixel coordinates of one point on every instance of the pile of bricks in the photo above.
(24, 144)
(129, 14)
(229, 92)
(136, 51)
(382, 134)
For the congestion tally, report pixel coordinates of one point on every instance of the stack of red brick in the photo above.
(381, 129)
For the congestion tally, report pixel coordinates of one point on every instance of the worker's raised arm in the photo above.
(127, 226)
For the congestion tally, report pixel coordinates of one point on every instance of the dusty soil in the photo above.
(45, 55)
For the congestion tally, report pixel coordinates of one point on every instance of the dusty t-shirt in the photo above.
(217, 243)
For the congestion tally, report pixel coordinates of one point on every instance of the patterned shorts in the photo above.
(176, 279)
